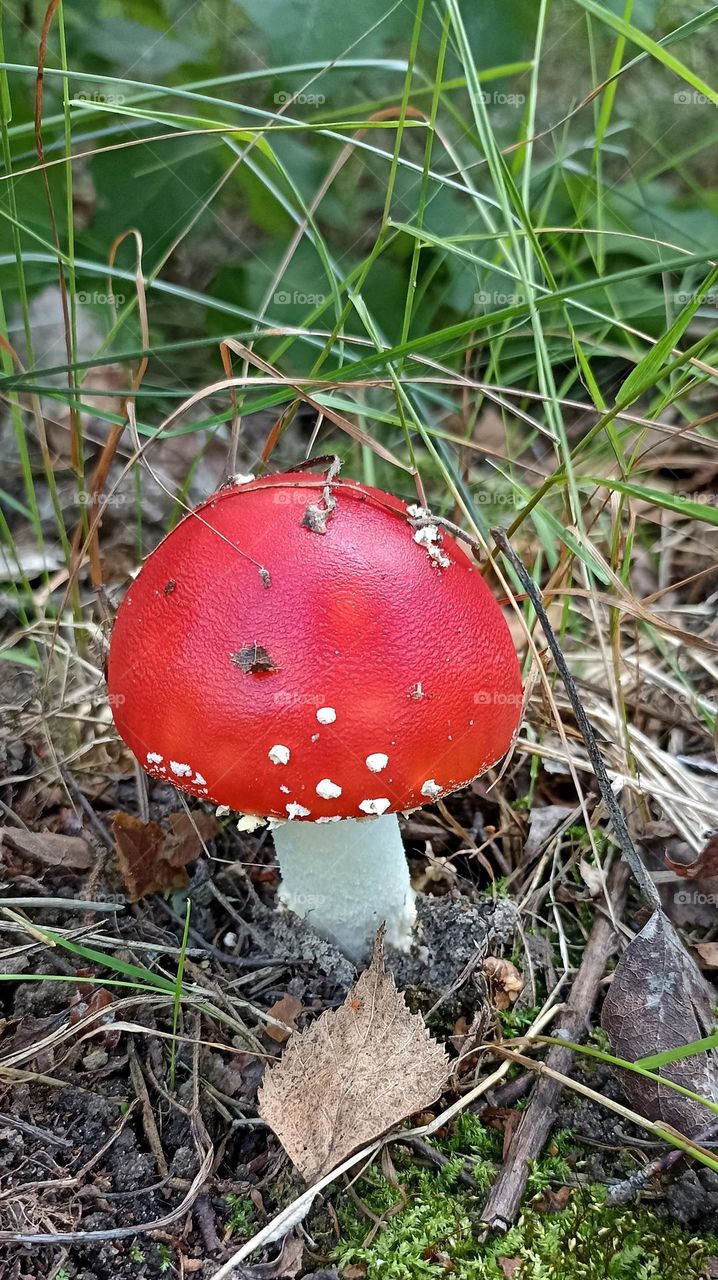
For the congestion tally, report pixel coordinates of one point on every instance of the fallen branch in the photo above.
(537, 1120)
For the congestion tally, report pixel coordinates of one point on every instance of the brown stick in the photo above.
(537, 1120)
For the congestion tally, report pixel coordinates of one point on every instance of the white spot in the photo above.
(431, 789)
(273, 823)
(295, 810)
(377, 761)
(249, 822)
(315, 737)
(418, 513)
(279, 754)
(430, 537)
(328, 790)
(417, 691)
(200, 780)
(374, 806)
(336, 819)
(230, 941)
(284, 789)
(222, 810)
(153, 757)
(241, 479)
(326, 715)
(181, 770)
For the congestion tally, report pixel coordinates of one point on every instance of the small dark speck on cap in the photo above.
(253, 659)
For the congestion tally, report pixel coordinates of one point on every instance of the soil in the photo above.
(99, 1148)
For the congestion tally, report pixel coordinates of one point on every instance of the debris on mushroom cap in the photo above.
(428, 536)
(310, 677)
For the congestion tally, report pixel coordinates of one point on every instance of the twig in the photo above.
(51, 1140)
(80, 799)
(537, 1120)
(63, 904)
(117, 1233)
(618, 821)
(435, 1157)
(628, 1188)
(148, 1118)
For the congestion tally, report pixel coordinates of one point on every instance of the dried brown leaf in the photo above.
(658, 1000)
(49, 848)
(708, 952)
(285, 1266)
(284, 1010)
(353, 1074)
(188, 832)
(705, 866)
(153, 860)
(505, 981)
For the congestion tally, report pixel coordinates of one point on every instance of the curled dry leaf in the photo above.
(153, 860)
(658, 1000)
(505, 981)
(708, 953)
(285, 1266)
(705, 866)
(352, 1074)
(285, 1010)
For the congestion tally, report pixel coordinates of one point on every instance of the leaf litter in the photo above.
(353, 1074)
(658, 1000)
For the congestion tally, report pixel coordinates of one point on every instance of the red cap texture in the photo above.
(298, 651)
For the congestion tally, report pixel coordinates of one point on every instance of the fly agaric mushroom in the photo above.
(310, 650)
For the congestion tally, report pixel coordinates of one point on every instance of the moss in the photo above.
(435, 1232)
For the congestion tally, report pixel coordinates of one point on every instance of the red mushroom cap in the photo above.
(293, 658)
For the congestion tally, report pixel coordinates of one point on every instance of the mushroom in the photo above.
(309, 650)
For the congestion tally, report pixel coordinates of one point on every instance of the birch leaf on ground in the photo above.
(659, 1001)
(353, 1074)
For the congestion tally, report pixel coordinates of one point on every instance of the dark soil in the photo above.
(102, 1134)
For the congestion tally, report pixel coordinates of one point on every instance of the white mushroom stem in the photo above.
(345, 878)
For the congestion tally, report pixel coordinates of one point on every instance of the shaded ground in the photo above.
(95, 1138)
